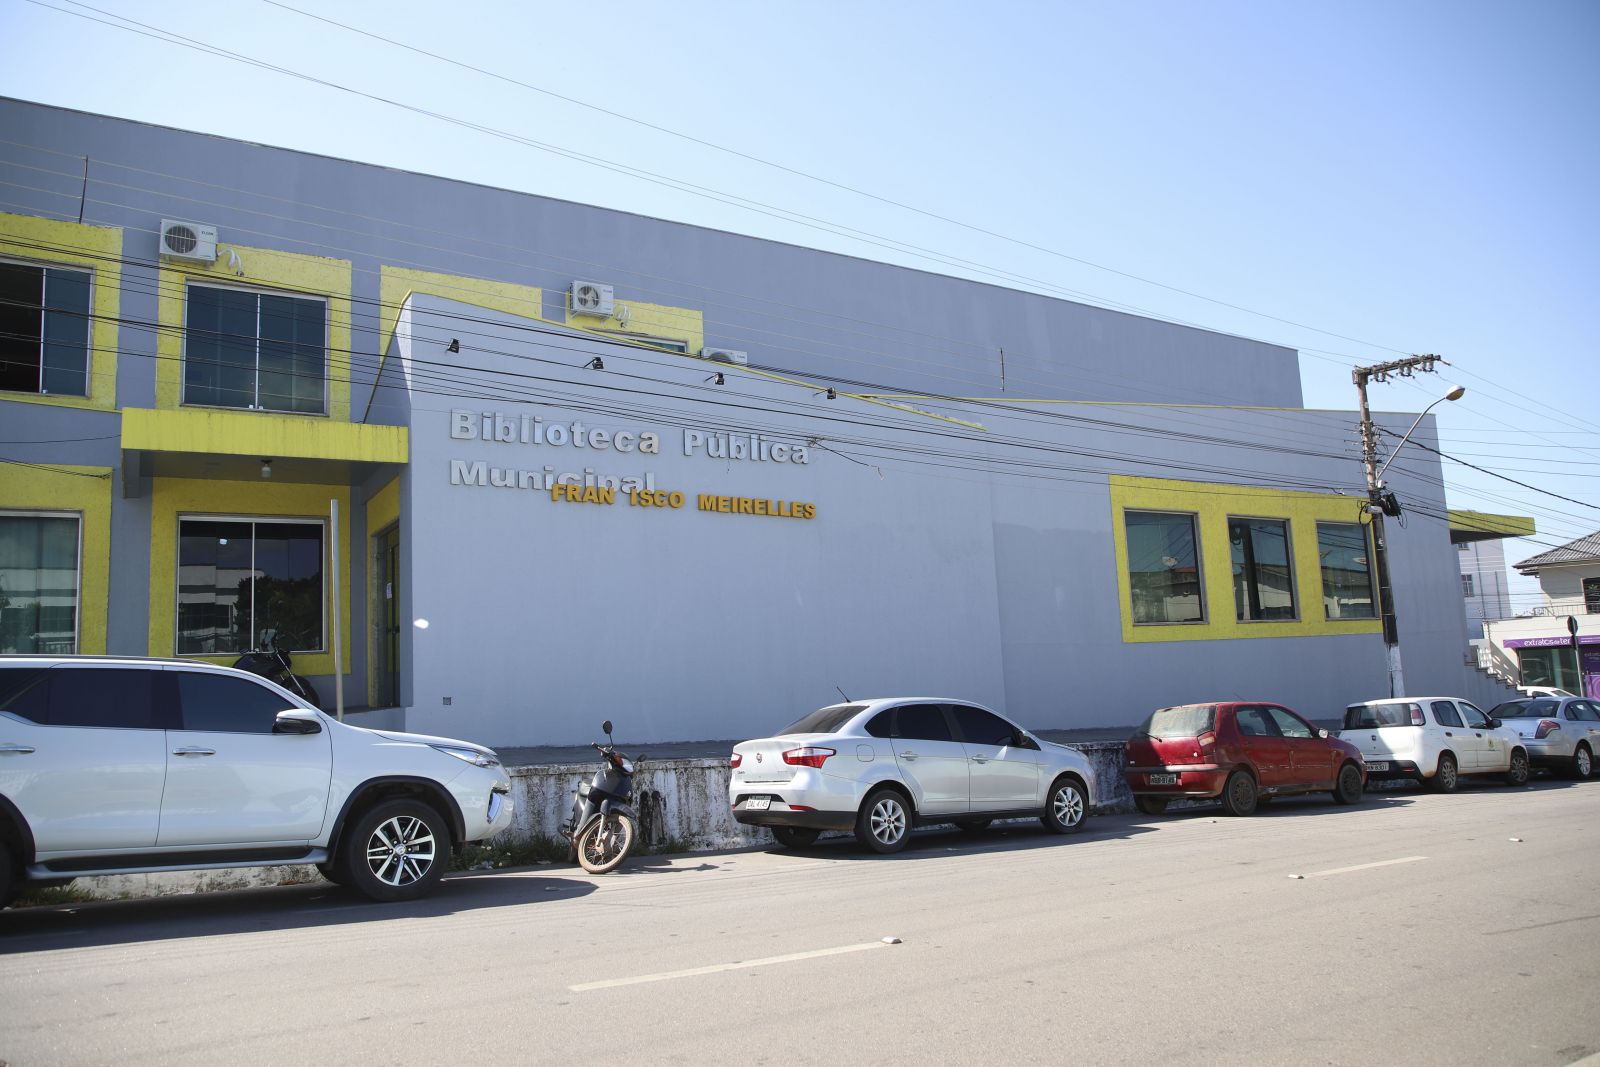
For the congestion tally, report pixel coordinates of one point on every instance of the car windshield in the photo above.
(1526, 709)
(1377, 716)
(1187, 721)
(824, 720)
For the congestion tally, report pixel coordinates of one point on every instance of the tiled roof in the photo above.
(1583, 550)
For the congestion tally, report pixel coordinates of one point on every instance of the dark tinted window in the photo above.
(1473, 716)
(84, 696)
(921, 722)
(1290, 725)
(1255, 722)
(979, 727)
(882, 724)
(233, 705)
(21, 695)
(1586, 710)
(824, 720)
(1514, 709)
(1191, 720)
(1444, 713)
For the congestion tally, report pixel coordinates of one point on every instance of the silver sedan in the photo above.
(879, 767)
(1562, 733)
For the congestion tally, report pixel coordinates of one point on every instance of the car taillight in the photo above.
(1207, 738)
(807, 756)
(1546, 728)
(1416, 716)
(735, 759)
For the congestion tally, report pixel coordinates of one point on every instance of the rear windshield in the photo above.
(1190, 720)
(1526, 709)
(824, 720)
(1377, 716)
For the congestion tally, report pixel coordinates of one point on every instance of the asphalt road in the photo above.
(1426, 929)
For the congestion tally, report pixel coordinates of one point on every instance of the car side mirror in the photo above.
(1494, 724)
(297, 721)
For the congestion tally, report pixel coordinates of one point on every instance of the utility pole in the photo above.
(1380, 502)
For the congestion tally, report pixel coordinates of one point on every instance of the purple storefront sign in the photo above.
(1552, 642)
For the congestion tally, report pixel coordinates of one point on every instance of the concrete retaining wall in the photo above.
(682, 804)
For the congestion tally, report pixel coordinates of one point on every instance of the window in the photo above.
(824, 720)
(44, 330)
(1290, 725)
(1163, 567)
(108, 698)
(1191, 720)
(264, 351)
(1466, 586)
(1591, 596)
(1255, 722)
(1346, 574)
(1475, 718)
(1263, 582)
(1556, 667)
(921, 722)
(243, 583)
(38, 583)
(215, 703)
(1444, 713)
(979, 727)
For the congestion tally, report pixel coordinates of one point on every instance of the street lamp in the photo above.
(1380, 503)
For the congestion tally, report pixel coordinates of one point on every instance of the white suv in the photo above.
(1433, 740)
(123, 765)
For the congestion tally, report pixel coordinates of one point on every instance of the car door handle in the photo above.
(980, 759)
(908, 755)
(194, 752)
(21, 750)
(1447, 733)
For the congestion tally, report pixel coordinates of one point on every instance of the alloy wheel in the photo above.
(1067, 805)
(888, 820)
(401, 850)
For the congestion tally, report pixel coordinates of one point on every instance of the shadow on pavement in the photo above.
(938, 841)
(243, 911)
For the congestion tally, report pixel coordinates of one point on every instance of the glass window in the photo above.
(1191, 720)
(1163, 567)
(921, 722)
(232, 705)
(1255, 722)
(1444, 713)
(1587, 711)
(44, 330)
(979, 727)
(1289, 724)
(38, 583)
(107, 697)
(1378, 716)
(1591, 596)
(1263, 581)
(1466, 585)
(243, 583)
(245, 349)
(1555, 667)
(21, 696)
(825, 720)
(1473, 716)
(1346, 572)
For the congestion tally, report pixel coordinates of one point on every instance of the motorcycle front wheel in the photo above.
(605, 843)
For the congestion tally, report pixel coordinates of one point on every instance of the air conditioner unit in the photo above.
(188, 240)
(726, 355)
(592, 298)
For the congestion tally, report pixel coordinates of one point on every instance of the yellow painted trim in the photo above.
(86, 490)
(99, 248)
(262, 268)
(171, 498)
(1212, 504)
(1489, 523)
(250, 433)
(396, 284)
(651, 320)
(383, 509)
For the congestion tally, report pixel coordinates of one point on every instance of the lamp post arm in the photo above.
(1406, 438)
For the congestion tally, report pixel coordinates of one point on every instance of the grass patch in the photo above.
(498, 854)
(53, 896)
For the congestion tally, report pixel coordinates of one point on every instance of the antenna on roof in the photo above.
(841, 693)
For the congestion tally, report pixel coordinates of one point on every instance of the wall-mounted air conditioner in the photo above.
(592, 298)
(188, 240)
(726, 355)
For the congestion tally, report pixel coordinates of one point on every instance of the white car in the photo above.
(879, 767)
(123, 765)
(1561, 733)
(1433, 740)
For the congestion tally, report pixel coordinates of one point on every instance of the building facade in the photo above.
(1559, 643)
(507, 465)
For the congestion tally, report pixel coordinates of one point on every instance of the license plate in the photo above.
(757, 803)
(1163, 779)
(1380, 765)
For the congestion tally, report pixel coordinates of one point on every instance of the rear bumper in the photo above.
(1199, 782)
(1397, 769)
(781, 814)
(1543, 754)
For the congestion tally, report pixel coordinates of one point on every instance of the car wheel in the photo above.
(1239, 794)
(1150, 805)
(1348, 789)
(605, 843)
(1517, 773)
(973, 826)
(330, 872)
(1446, 778)
(1065, 807)
(1582, 762)
(396, 851)
(795, 836)
(884, 822)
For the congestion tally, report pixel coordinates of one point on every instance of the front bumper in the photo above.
(1201, 781)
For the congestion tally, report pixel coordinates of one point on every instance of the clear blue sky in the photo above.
(1415, 177)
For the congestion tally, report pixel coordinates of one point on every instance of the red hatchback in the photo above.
(1242, 752)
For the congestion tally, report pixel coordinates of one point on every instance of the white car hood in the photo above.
(428, 739)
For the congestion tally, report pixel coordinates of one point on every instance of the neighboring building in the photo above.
(507, 465)
(1543, 645)
(1485, 588)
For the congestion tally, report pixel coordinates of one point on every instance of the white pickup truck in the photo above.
(1433, 740)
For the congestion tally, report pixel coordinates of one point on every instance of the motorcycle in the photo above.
(277, 666)
(604, 826)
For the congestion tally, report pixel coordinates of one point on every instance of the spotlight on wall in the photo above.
(716, 379)
(831, 394)
(266, 468)
(455, 345)
(595, 364)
